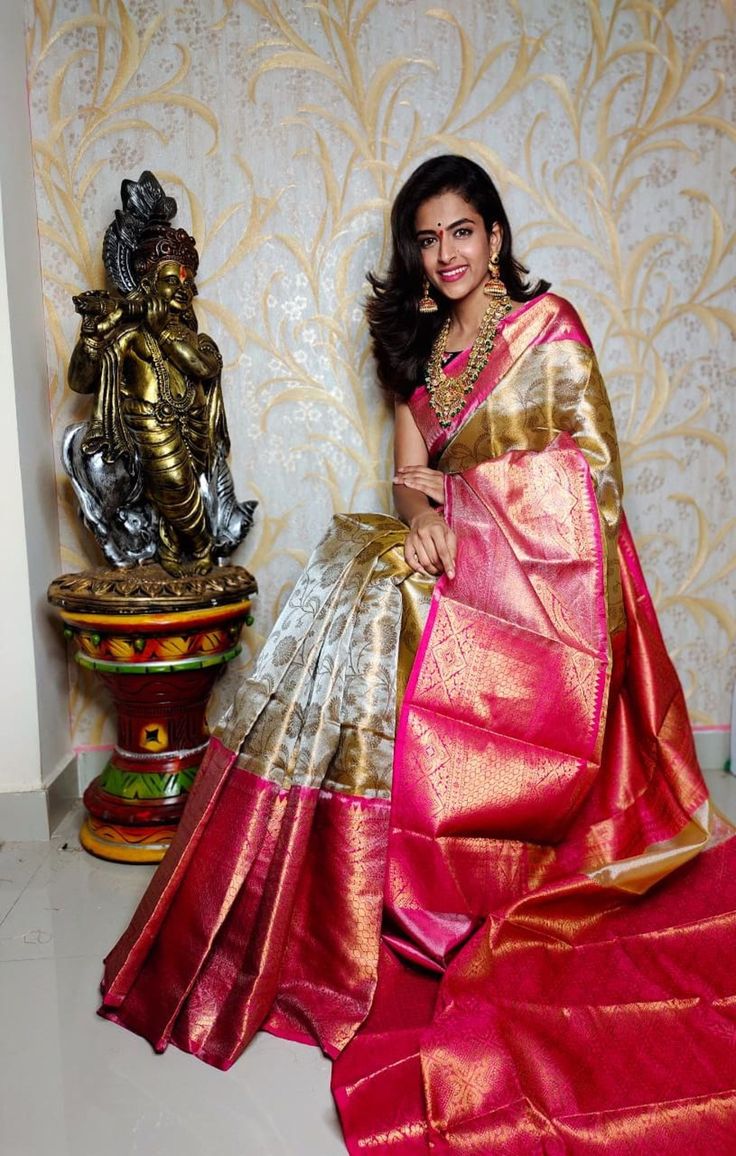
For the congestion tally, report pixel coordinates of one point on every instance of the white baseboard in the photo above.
(714, 748)
(30, 816)
(24, 816)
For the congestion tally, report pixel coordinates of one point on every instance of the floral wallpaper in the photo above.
(284, 130)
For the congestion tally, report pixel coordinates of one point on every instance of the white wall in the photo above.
(34, 717)
(20, 767)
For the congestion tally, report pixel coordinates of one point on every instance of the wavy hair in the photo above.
(402, 336)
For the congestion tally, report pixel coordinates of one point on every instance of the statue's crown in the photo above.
(162, 243)
(141, 236)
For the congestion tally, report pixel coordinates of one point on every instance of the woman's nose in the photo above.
(444, 251)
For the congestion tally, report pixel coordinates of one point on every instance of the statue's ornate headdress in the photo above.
(141, 236)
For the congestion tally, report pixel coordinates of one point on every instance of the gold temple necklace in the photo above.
(448, 395)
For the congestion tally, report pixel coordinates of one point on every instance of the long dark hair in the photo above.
(402, 336)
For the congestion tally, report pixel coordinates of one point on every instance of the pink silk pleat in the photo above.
(202, 964)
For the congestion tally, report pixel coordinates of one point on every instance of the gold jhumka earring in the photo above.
(427, 303)
(495, 287)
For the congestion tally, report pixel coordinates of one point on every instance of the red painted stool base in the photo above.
(158, 644)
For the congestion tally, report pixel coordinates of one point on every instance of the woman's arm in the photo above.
(431, 546)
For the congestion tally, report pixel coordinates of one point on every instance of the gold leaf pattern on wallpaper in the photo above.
(284, 131)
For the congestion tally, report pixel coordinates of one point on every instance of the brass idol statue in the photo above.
(150, 466)
(162, 618)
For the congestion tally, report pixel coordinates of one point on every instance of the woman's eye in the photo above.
(425, 242)
(464, 232)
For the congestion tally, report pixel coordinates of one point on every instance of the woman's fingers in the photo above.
(431, 546)
(428, 481)
(420, 561)
(417, 555)
(447, 550)
(431, 489)
(442, 550)
(422, 478)
(429, 554)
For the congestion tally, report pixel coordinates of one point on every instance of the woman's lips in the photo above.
(453, 274)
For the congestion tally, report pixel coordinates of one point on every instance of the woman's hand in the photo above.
(431, 546)
(422, 478)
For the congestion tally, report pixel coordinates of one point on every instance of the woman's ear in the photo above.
(496, 238)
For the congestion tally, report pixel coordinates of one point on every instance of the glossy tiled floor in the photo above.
(74, 1085)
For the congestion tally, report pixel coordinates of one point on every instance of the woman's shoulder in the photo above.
(558, 320)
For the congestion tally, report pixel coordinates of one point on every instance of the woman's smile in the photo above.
(453, 274)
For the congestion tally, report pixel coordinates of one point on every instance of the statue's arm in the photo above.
(85, 362)
(195, 355)
(98, 328)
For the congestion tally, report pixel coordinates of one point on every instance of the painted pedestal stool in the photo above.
(158, 643)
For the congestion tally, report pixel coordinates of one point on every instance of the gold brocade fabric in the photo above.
(543, 381)
(553, 388)
(320, 708)
(416, 594)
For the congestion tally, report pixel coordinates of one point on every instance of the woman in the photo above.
(421, 836)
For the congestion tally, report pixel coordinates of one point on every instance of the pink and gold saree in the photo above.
(455, 832)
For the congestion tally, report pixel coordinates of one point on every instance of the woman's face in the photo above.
(454, 245)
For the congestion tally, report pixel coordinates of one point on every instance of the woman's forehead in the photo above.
(442, 210)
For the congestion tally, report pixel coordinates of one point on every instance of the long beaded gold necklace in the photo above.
(448, 395)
